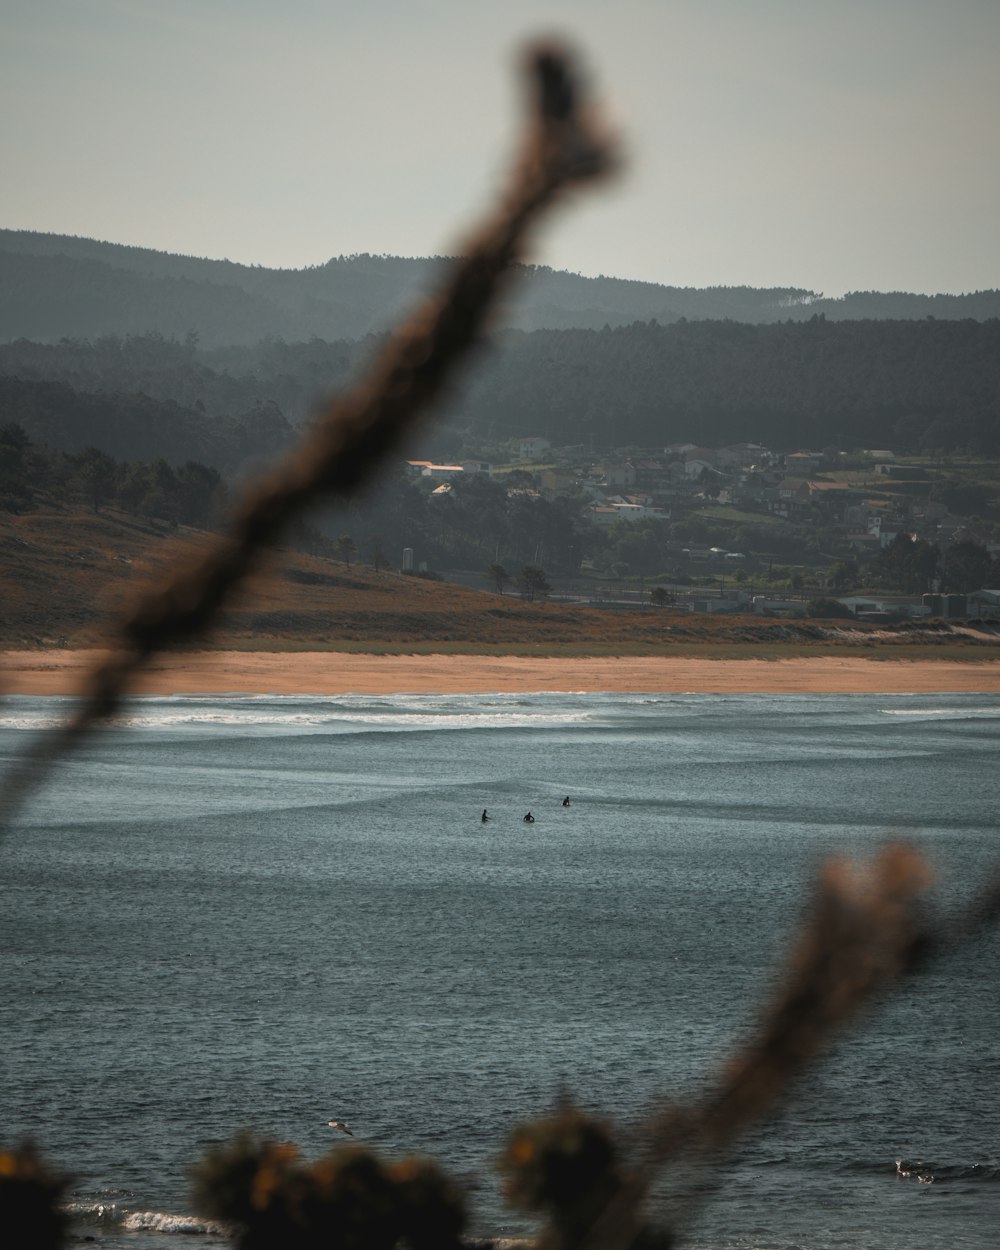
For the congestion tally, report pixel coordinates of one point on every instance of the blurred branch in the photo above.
(864, 931)
(563, 147)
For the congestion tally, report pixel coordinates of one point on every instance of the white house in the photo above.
(637, 511)
(602, 514)
(802, 461)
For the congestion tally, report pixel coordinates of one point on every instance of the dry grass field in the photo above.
(62, 576)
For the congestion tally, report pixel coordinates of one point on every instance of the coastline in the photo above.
(61, 672)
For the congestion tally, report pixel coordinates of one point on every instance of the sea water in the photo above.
(268, 912)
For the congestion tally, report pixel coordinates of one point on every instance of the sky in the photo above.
(834, 146)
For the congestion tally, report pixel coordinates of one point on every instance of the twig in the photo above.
(864, 932)
(562, 148)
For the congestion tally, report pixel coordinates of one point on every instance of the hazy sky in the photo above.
(834, 145)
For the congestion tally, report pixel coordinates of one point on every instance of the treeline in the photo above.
(132, 424)
(38, 476)
(921, 386)
(56, 286)
(906, 385)
(918, 566)
(216, 383)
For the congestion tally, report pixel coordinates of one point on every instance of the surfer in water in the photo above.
(566, 802)
(484, 818)
(528, 819)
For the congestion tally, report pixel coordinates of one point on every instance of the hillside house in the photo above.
(631, 496)
(611, 510)
(830, 498)
(602, 514)
(789, 499)
(631, 511)
(802, 461)
(442, 472)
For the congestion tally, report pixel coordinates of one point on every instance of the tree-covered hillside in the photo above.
(135, 426)
(908, 385)
(911, 384)
(58, 286)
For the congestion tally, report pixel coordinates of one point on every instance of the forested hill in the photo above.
(907, 385)
(59, 286)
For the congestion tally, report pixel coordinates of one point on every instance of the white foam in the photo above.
(328, 717)
(159, 1222)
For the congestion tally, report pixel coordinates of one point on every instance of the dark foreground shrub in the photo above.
(30, 1194)
(349, 1199)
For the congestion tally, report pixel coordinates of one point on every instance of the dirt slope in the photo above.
(62, 576)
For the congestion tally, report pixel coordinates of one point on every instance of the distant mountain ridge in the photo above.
(61, 286)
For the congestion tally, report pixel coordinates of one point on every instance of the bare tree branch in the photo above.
(562, 148)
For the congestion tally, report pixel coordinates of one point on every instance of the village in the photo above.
(747, 528)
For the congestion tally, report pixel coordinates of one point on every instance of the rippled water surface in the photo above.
(267, 912)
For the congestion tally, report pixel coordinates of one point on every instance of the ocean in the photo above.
(267, 912)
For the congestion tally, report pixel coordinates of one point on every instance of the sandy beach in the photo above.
(261, 672)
